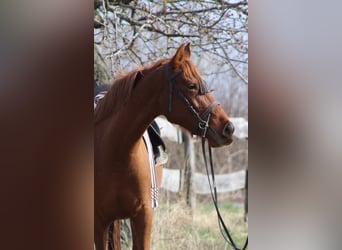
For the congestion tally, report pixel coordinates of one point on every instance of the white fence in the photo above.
(173, 132)
(224, 182)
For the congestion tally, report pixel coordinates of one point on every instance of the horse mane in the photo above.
(120, 92)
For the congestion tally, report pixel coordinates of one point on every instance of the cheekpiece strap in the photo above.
(170, 79)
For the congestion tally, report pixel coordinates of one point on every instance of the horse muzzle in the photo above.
(220, 139)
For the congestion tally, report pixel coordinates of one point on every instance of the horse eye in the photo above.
(192, 86)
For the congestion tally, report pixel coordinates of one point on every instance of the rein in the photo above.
(203, 125)
(212, 184)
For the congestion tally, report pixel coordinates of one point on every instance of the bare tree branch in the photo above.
(143, 31)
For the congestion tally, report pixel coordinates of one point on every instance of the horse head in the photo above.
(190, 104)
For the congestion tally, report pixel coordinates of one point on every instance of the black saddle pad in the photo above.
(154, 134)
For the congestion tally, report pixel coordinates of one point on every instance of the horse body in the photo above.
(121, 154)
(122, 171)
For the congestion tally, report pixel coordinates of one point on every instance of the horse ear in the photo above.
(187, 50)
(137, 78)
(178, 57)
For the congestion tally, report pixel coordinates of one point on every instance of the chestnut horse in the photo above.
(122, 185)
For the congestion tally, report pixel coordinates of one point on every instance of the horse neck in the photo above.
(128, 125)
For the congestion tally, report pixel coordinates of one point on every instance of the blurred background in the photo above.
(294, 111)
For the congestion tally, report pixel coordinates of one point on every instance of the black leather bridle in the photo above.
(203, 125)
(204, 117)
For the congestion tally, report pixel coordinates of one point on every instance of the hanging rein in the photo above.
(203, 125)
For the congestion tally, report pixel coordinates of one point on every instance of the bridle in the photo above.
(204, 117)
(203, 125)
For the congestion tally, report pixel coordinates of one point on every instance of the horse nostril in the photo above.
(228, 129)
(232, 128)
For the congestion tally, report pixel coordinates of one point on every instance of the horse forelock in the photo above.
(191, 73)
(120, 92)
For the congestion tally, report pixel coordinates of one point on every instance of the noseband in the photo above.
(202, 119)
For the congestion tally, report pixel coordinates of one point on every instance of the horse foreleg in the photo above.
(141, 229)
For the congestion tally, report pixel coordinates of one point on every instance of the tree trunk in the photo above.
(189, 170)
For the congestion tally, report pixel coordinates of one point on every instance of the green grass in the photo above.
(176, 227)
